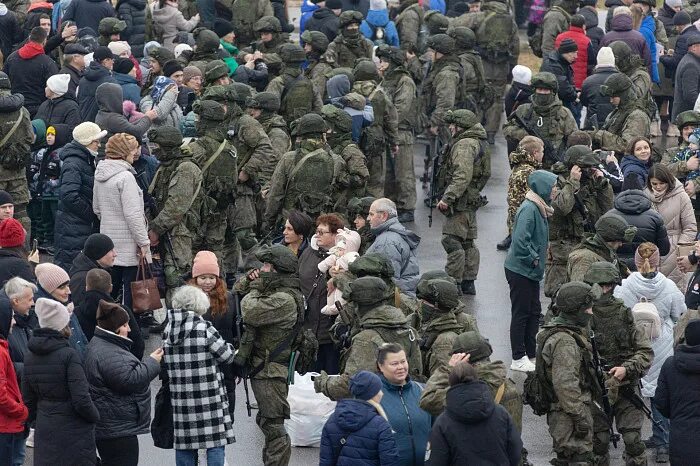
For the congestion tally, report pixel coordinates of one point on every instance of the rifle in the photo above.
(238, 323)
(433, 195)
(600, 378)
(345, 339)
(550, 153)
(638, 403)
(581, 207)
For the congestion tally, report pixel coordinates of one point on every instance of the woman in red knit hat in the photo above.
(13, 255)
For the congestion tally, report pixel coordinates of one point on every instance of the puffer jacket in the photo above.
(669, 302)
(130, 87)
(14, 263)
(622, 30)
(648, 31)
(110, 117)
(368, 439)
(89, 13)
(473, 430)
(75, 220)
(555, 63)
(78, 270)
(313, 286)
(380, 19)
(133, 13)
(396, 243)
(119, 385)
(635, 207)
(14, 412)
(325, 21)
(170, 21)
(57, 395)
(93, 76)
(596, 103)
(60, 111)
(118, 203)
(28, 69)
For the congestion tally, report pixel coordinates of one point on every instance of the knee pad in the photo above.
(451, 244)
(633, 443)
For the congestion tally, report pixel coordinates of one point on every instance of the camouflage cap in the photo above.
(161, 55)
(581, 156)
(616, 85)
(241, 92)
(613, 227)
(544, 80)
(372, 264)
(165, 136)
(436, 22)
(602, 273)
(349, 17)
(280, 257)
(366, 291)
(441, 293)
(463, 36)
(317, 40)
(689, 117)
(462, 118)
(442, 43)
(338, 119)
(291, 53)
(365, 70)
(214, 70)
(436, 274)
(111, 25)
(267, 24)
(574, 297)
(268, 101)
(5, 81)
(360, 206)
(209, 110)
(219, 93)
(390, 54)
(311, 123)
(477, 347)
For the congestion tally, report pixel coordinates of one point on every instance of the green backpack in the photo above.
(297, 98)
(310, 184)
(494, 36)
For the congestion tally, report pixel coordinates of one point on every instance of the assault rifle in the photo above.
(600, 378)
(551, 154)
(433, 194)
(238, 324)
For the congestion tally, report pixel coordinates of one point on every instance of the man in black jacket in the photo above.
(10, 31)
(98, 253)
(325, 19)
(598, 105)
(559, 64)
(686, 29)
(60, 108)
(73, 65)
(17, 297)
(99, 72)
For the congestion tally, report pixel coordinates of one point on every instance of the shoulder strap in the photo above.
(14, 127)
(213, 157)
(499, 393)
(301, 161)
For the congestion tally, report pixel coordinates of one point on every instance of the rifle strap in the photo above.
(283, 345)
(499, 393)
(14, 127)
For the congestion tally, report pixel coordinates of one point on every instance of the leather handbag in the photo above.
(144, 291)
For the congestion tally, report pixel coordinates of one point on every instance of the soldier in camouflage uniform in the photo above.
(634, 67)
(216, 157)
(382, 134)
(583, 197)
(442, 87)
(248, 12)
(205, 50)
(626, 122)
(473, 78)
(611, 231)
(272, 306)
(400, 183)
(358, 211)
(315, 45)
(564, 359)
(464, 318)
(226, 96)
(216, 74)
(16, 127)
(109, 30)
(556, 21)
(350, 44)
(269, 30)
(175, 189)
(546, 115)
(378, 323)
(628, 352)
(264, 106)
(686, 122)
(409, 22)
(464, 171)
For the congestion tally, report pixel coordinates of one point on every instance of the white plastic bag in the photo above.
(309, 412)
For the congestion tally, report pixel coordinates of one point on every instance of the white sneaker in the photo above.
(30, 439)
(522, 365)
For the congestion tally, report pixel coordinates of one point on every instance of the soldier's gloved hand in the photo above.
(581, 427)
(320, 382)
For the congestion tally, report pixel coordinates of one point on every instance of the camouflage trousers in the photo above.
(15, 183)
(458, 235)
(176, 262)
(273, 409)
(400, 184)
(555, 267)
(211, 235)
(628, 422)
(375, 165)
(492, 116)
(569, 449)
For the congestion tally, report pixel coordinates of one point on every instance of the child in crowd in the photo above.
(344, 253)
(688, 152)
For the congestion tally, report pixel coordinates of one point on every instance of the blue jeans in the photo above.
(12, 449)
(215, 457)
(660, 438)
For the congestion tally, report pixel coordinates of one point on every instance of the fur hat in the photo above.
(50, 277)
(111, 316)
(12, 234)
(51, 313)
(120, 146)
(205, 263)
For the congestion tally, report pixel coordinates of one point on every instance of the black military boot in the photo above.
(468, 287)
(406, 216)
(505, 244)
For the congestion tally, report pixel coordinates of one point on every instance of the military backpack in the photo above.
(407, 338)
(14, 154)
(297, 98)
(535, 41)
(311, 182)
(494, 36)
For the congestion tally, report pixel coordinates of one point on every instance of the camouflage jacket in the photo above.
(555, 21)
(590, 250)
(355, 166)
(317, 72)
(385, 127)
(437, 336)
(621, 126)
(256, 157)
(442, 89)
(286, 77)
(401, 90)
(276, 129)
(478, 23)
(409, 22)
(219, 178)
(679, 169)
(523, 164)
(342, 53)
(568, 222)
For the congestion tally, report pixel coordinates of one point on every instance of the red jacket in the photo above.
(13, 412)
(580, 66)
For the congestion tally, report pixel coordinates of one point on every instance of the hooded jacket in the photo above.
(130, 87)
(687, 85)
(622, 30)
(396, 243)
(110, 117)
(325, 21)
(133, 13)
(597, 104)
(60, 111)
(474, 430)
(28, 69)
(170, 20)
(635, 172)
(94, 75)
(89, 13)
(380, 19)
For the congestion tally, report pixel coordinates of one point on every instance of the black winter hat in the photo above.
(334, 4)
(692, 333)
(567, 45)
(97, 245)
(6, 198)
(222, 27)
(171, 67)
(681, 18)
(123, 65)
(111, 316)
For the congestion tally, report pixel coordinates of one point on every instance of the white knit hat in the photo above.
(377, 5)
(87, 132)
(522, 74)
(58, 83)
(606, 57)
(674, 3)
(120, 48)
(51, 314)
(179, 48)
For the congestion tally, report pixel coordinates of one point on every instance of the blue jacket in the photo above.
(634, 172)
(438, 5)
(528, 249)
(648, 30)
(130, 87)
(368, 437)
(380, 18)
(307, 9)
(411, 425)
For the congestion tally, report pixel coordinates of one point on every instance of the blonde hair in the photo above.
(531, 144)
(637, 16)
(646, 251)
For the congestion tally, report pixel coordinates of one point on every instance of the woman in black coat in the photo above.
(133, 13)
(473, 429)
(13, 256)
(61, 110)
(119, 387)
(57, 394)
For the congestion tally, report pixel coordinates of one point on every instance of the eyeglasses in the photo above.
(321, 232)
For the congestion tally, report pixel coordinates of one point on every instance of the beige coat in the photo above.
(677, 211)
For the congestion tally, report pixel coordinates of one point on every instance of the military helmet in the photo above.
(366, 291)
(311, 123)
(4, 81)
(360, 206)
(219, 93)
(165, 136)
(390, 54)
(280, 257)
(214, 70)
(111, 25)
(462, 117)
(581, 156)
(268, 101)
(372, 264)
(349, 17)
(365, 70)
(544, 80)
(161, 55)
(291, 53)
(241, 92)
(616, 85)
(613, 227)
(436, 22)
(463, 36)
(206, 41)
(477, 347)
(443, 294)
(574, 297)
(441, 43)
(209, 110)
(689, 117)
(317, 40)
(602, 273)
(267, 24)
(436, 274)
(337, 118)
